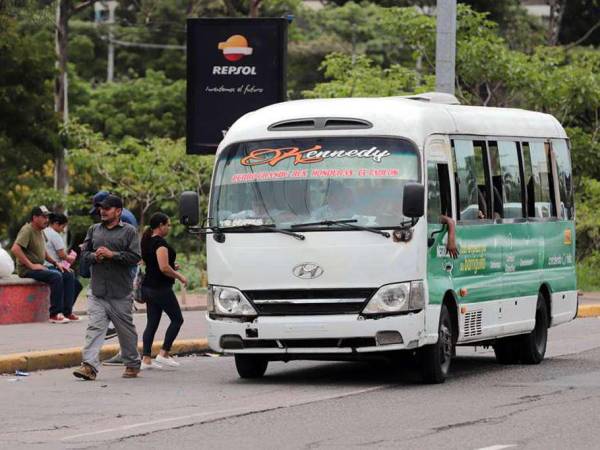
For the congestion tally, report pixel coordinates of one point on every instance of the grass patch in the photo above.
(588, 276)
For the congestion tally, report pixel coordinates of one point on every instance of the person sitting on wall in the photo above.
(30, 251)
(55, 246)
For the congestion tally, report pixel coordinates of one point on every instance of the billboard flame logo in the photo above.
(235, 48)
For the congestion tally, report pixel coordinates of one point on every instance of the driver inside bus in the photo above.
(340, 201)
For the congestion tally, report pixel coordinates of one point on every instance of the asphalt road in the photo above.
(319, 405)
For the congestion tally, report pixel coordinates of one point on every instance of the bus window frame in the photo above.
(559, 199)
(546, 142)
(487, 177)
(519, 141)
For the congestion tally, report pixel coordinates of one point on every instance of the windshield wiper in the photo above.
(268, 227)
(348, 223)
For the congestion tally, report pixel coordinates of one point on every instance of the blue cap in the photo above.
(98, 198)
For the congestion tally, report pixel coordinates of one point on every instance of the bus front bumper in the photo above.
(324, 334)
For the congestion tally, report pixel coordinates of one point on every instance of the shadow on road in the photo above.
(404, 371)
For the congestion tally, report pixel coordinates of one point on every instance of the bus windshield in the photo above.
(291, 181)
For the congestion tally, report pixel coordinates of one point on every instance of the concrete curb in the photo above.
(71, 357)
(588, 311)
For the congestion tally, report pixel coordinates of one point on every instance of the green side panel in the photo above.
(559, 255)
(479, 267)
(503, 260)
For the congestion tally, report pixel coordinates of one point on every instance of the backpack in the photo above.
(137, 286)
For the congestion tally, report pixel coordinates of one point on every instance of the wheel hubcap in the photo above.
(446, 346)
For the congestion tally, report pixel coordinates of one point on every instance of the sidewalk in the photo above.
(35, 346)
(187, 301)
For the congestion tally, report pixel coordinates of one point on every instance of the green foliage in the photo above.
(363, 79)
(142, 108)
(28, 128)
(587, 273)
(146, 174)
(588, 217)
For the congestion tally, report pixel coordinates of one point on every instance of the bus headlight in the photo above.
(396, 298)
(227, 301)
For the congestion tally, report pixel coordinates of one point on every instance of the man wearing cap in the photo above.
(111, 248)
(30, 250)
(126, 217)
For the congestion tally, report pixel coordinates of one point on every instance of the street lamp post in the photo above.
(445, 47)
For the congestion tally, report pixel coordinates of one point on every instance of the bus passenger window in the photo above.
(438, 192)
(471, 186)
(540, 182)
(510, 180)
(565, 178)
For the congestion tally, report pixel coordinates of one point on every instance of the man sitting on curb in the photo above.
(30, 250)
(111, 248)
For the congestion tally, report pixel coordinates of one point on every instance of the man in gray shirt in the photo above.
(111, 248)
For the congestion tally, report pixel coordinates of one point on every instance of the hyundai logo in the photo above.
(308, 271)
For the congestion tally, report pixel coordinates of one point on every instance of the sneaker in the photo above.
(110, 333)
(72, 317)
(131, 372)
(114, 361)
(167, 361)
(85, 372)
(152, 366)
(58, 318)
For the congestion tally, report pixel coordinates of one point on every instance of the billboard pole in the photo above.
(445, 47)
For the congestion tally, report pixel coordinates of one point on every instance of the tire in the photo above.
(249, 366)
(435, 359)
(533, 345)
(508, 351)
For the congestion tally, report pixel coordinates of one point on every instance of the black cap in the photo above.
(111, 201)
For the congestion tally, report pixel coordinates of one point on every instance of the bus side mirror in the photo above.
(413, 202)
(189, 208)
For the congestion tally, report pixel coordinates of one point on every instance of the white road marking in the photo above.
(226, 412)
(497, 447)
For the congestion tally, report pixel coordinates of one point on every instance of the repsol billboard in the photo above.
(234, 66)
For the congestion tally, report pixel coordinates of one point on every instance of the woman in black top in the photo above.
(157, 289)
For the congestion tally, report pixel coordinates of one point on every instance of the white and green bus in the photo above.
(325, 238)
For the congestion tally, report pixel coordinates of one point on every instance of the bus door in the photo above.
(439, 202)
(477, 273)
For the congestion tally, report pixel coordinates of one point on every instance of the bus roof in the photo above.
(392, 116)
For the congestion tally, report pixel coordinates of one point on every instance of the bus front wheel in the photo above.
(533, 347)
(251, 366)
(435, 359)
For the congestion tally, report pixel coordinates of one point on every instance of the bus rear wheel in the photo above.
(533, 345)
(251, 366)
(435, 359)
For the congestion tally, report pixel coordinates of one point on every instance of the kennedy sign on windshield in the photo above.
(234, 66)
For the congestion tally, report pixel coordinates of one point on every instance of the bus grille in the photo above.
(285, 302)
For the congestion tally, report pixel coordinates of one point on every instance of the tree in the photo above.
(151, 106)
(581, 23)
(147, 175)
(362, 78)
(28, 129)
